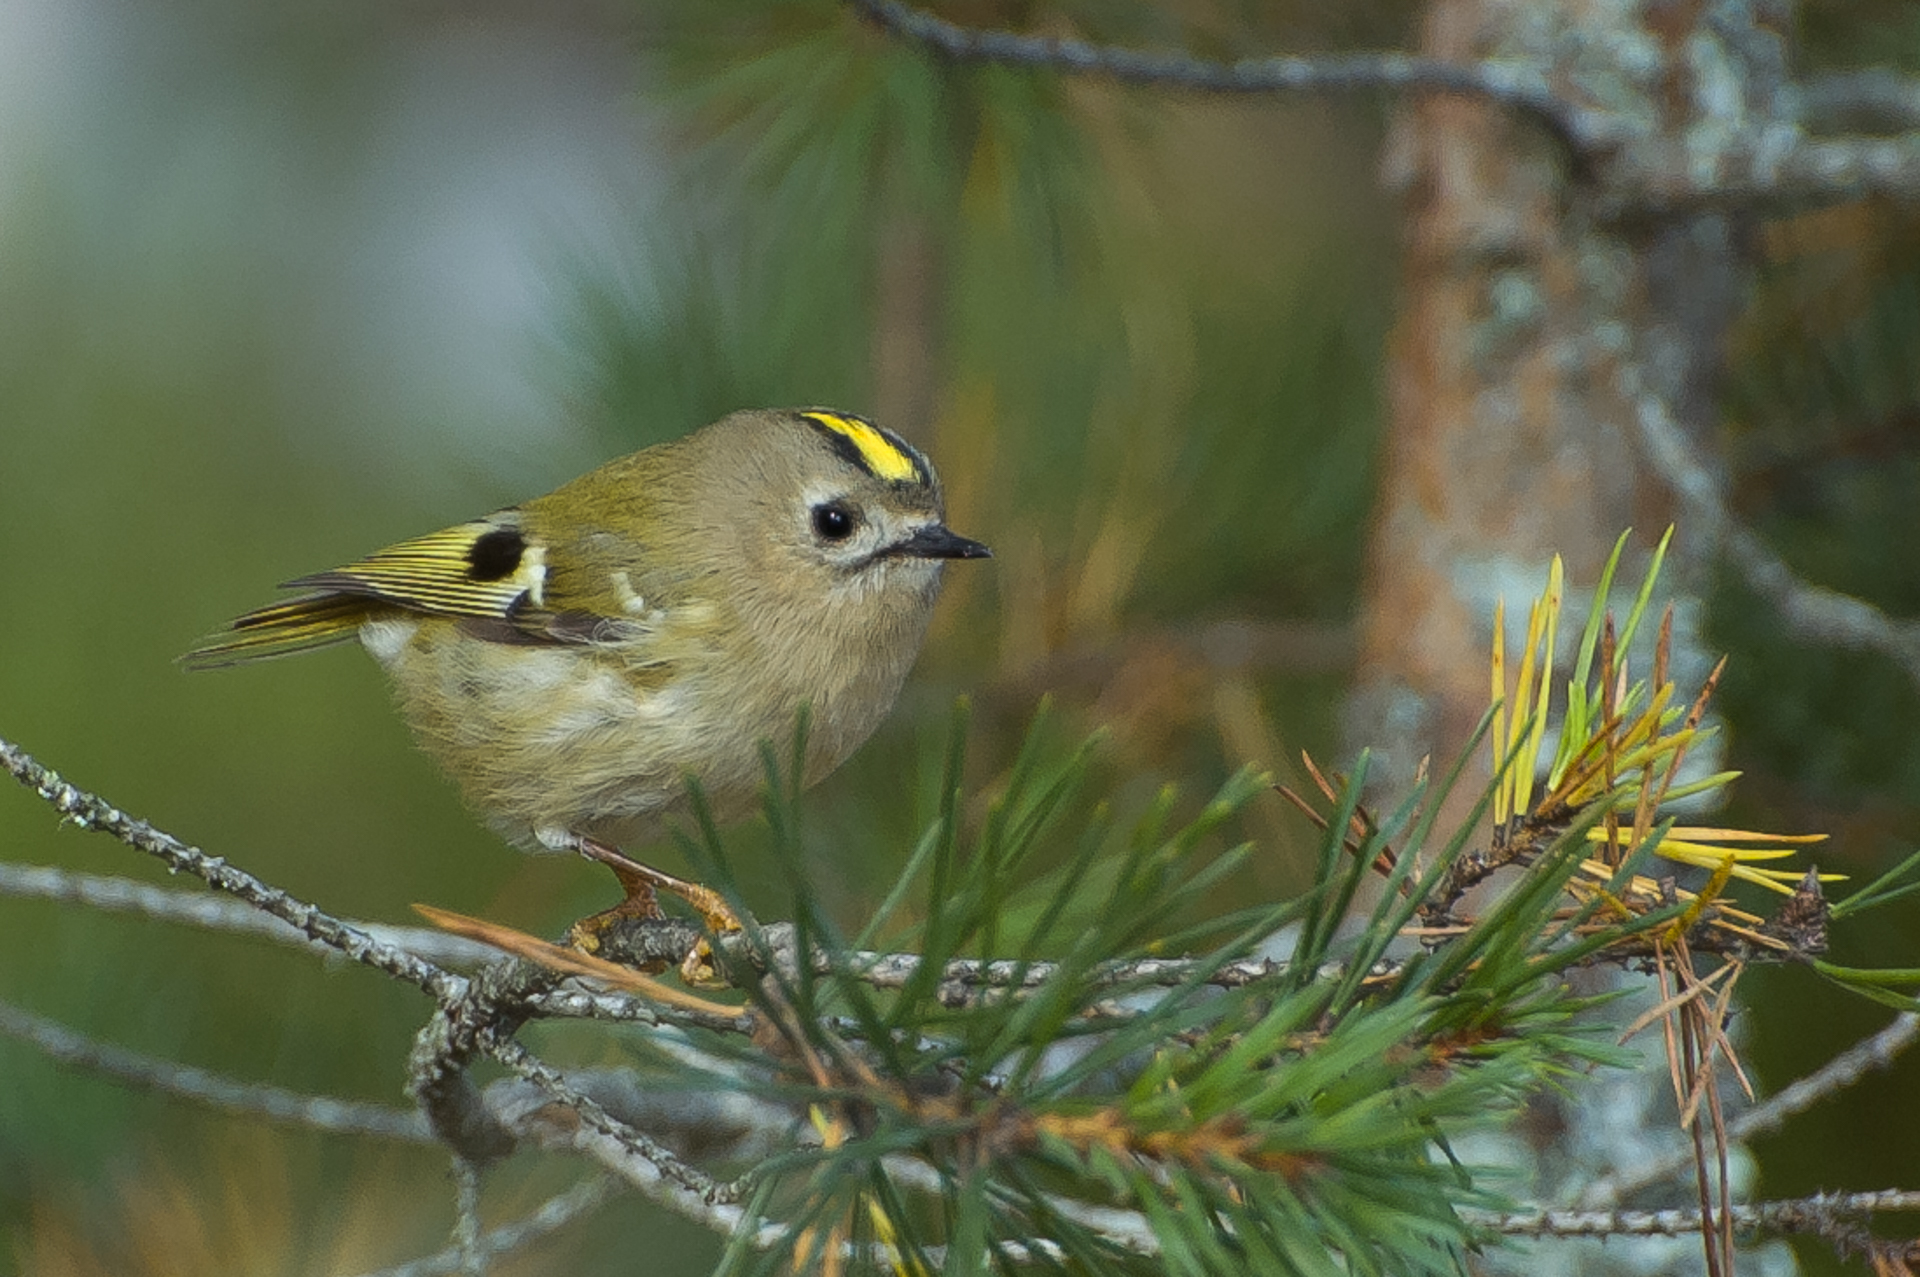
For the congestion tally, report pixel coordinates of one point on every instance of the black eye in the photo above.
(834, 521)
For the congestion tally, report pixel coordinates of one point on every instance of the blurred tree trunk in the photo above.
(906, 343)
(1523, 284)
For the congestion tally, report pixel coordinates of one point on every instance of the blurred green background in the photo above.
(283, 284)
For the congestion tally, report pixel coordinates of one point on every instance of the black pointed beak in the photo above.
(937, 541)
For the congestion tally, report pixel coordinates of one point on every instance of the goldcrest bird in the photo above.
(571, 662)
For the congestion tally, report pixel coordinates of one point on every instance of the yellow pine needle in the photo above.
(1583, 892)
(1735, 861)
(833, 1133)
(1704, 833)
(1700, 852)
(1588, 781)
(1691, 914)
(1555, 596)
(1651, 893)
(904, 1265)
(1520, 781)
(1781, 880)
(1499, 737)
(1654, 750)
(1704, 846)
(1575, 786)
(1651, 719)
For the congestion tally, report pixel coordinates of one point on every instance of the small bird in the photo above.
(573, 661)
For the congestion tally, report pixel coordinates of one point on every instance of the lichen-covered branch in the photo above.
(1811, 612)
(1877, 1050)
(244, 1099)
(78, 807)
(1834, 1216)
(113, 894)
(671, 1179)
(1518, 87)
(556, 1213)
(1867, 100)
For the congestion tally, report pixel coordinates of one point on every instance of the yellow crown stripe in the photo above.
(882, 456)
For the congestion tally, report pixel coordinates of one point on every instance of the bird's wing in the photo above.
(487, 570)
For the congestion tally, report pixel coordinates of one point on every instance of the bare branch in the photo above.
(220, 913)
(1812, 612)
(244, 1099)
(1869, 100)
(1775, 163)
(554, 1214)
(1876, 1051)
(76, 806)
(1512, 85)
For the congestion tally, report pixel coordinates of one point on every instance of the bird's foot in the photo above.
(643, 883)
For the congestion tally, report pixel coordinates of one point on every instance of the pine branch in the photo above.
(1245, 1046)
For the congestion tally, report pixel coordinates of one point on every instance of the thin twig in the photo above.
(466, 1217)
(1812, 612)
(717, 1118)
(1509, 84)
(670, 1168)
(1825, 170)
(220, 913)
(567, 1003)
(1876, 1051)
(1870, 100)
(1775, 170)
(245, 1099)
(77, 806)
(554, 1214)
